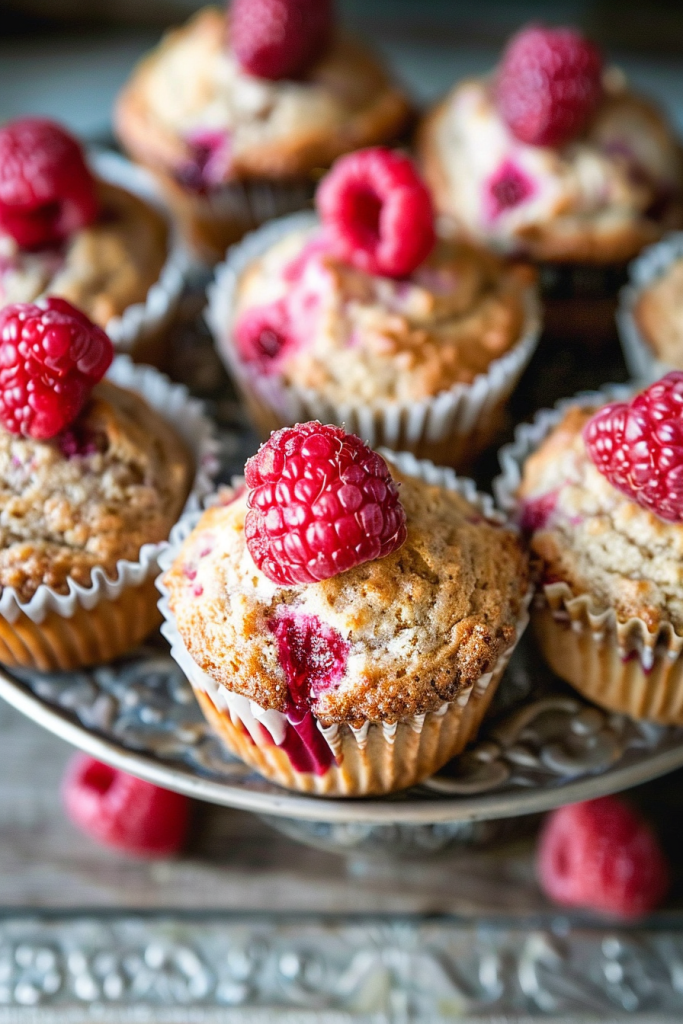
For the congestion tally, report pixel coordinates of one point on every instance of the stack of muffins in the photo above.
(345, 615)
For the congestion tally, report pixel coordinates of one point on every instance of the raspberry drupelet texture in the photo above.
(638, 446)
(51, 356)
(46, 189)
(548, 85)
(320, 502)
(279, 38)
(118, 810)
(602, 856)
(377, 212)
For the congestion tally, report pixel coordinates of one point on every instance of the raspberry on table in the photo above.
(320, 502)
(638, 446)
(377, 212)
(51, 356)
(46, 189)
(279, 38)
(549, 83)
(119, 810)
(601, 855)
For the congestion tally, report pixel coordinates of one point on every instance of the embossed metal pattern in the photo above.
(541, 746)
(298, 969)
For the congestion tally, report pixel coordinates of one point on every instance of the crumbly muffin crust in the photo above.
(658, 312)
(117, 480)
(362, 337)
(192, 84)
(102, 270)
(422, 624)
(591, 536)
(600, 199)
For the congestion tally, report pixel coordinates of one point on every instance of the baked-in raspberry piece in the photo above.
(320, 502)
(46, 189)
(507, 187)
(601, 855)
(262, 335)
(51, 357)
(279, 38)
(121, 811)
(638, 446)
(548, 84)
(377, 212)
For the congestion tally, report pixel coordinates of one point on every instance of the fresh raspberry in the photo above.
(549, 83)
(377, 212)
(602, 856)
(320, 502)
(279, 38)
(638, 446)
(51, 356)
(262, 335)
(46, 189)
(121, 811)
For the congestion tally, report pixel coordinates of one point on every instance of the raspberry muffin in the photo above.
(556, 159)
(596, 484)
(362, 318)
(344, 623)
(650, 316)
(68, 231)
(237, 117)
(92, 478)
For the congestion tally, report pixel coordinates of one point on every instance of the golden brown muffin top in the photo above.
(658, 312)
(103, 269)
(417, 628)
(591, 536)
(115, 480)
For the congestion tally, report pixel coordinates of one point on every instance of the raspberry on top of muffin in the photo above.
(64, 232)
(272, 91)
(89, 473)
(335, 586)
(368, 304)
(603, 500)
(553, 156)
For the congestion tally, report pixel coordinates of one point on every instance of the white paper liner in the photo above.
(584, 611)
(251, 714)
(186, 416)
(641, 360)
(141, 320)
(458, 412)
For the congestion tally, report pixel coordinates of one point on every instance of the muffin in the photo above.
(595, 484)
(650, 315)
(92, 478)
(236, 136)
(555, 159)
(349, 646)
(71, 230)
(419, 355)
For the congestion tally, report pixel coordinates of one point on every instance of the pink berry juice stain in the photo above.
(313, 657)
(506, 188)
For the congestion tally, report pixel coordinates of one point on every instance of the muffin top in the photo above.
(589, 534)
(599, 198)
(102, 268)
(390, 638)
(316, 321)
(116, 479)
(658, 312)
(191, 110)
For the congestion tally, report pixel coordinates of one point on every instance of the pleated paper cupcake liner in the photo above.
(451, 428)
(642, 361)
(370, 759)
(140, 330)
(214, 220)
(621, 665)
(92, 624)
